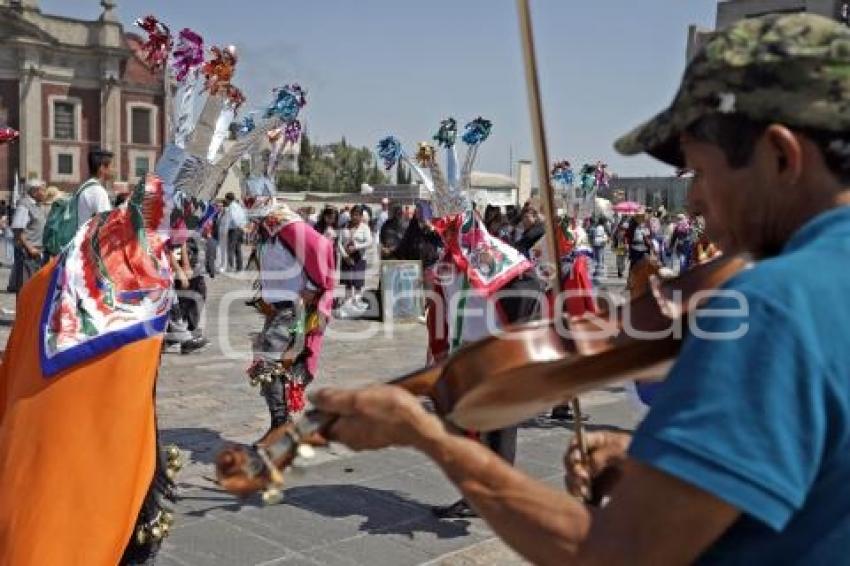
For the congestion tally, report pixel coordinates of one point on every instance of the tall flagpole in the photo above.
(547, 193)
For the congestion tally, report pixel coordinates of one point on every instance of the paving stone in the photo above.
(486, 553)
(437, 537)
(296, 528)
(422, 486)
(342, 508)
(378, 550)
(214, 543)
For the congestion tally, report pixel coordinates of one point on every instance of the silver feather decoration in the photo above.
(468, 164)
(241, 147)
(200, 178)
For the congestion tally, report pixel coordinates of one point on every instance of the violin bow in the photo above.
(541, 154)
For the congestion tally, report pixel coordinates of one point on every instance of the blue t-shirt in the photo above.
(762, 421)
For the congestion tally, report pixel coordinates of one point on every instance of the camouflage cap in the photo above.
(788, 69)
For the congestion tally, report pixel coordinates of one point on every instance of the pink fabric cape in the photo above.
(316, 254)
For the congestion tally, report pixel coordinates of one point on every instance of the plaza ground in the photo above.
(339, 508)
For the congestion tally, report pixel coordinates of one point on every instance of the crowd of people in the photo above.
(24, 222)
(744, 448)
(743, 451)
(205, 244)
(670, 243)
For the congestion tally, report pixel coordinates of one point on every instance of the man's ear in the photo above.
(783, 152)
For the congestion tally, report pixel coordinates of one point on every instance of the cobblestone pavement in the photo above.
(340, 507)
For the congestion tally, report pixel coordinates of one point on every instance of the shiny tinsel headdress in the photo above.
(204, 105)
(450, 191)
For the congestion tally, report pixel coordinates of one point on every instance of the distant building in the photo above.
(730, 11)
(493, 189)
(669, 192)
(486, 188)
(69, 85)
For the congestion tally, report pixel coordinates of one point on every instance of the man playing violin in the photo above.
(745, 453)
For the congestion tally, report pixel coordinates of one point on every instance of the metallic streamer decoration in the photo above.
(8, 134)
(446, 136)
(426, 155)
(390, 151)
(158, 44)
(247, 126)
(601, 177)
(275, 134)
(562, 172)
(188, 53)
(594, 176)
(477, 131)
(234, 96)
(219, 70)
(222, 129)
(187, 105)
(202, 178)
(288, 102)
(475, 134)
(587, 177)
(292, 132)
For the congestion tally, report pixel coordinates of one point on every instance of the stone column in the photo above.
(32, 131)
(523, 181)
(110, 123)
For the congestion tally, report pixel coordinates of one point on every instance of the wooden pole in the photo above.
(547, 193)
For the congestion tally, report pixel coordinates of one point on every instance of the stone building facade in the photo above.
(669, 192)
(70, 85)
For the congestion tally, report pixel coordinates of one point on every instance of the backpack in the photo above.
(600, 238)
(62, 222)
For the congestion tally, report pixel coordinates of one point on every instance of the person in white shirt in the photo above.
(598, 240)
(354, 241)
(236, 221)
(344, 216)
(28, 228)
(92, 195)
(383, 215)
(297, 278)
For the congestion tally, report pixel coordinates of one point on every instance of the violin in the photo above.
(504, 379)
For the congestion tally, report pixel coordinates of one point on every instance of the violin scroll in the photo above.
(243, 470)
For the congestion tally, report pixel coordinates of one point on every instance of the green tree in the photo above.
(336, 167)
(376, 176)
(305, 158)
(359, 173)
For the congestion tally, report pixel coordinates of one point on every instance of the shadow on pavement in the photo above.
(203, 443)
(196, 503)
(385, 512)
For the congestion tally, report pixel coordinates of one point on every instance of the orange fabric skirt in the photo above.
(77, 450)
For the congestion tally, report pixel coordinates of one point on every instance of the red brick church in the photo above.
(69, 85)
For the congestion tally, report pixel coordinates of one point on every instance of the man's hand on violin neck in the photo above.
(607, 451)
(378, 417)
